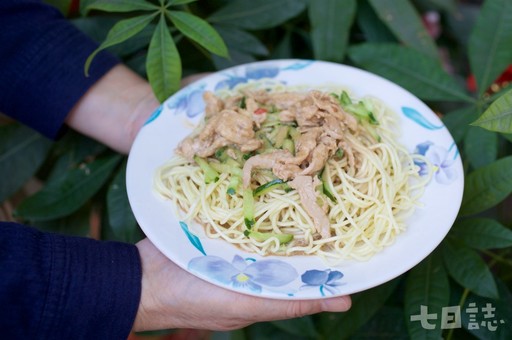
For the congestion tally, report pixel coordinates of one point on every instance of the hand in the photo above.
(114, 109)
(173, 298)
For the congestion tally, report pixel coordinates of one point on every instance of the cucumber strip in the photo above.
(295, 134)
(248, 208)
(226, 168)
(325, 186)
(361, 111)
(373, 132)
(264, 188)
(210, 174)
(221, 154)
(289, 145)
(234, 182)
(282, 133)
(345, 98)
(261, 237)
(339, 153)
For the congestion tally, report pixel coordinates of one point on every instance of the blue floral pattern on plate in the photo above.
(294, 277)
(254, 275)
(324, 280)
(256, 72)
(419, 119)
(244, 274)
(440, 159)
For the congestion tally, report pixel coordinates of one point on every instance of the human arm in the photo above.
(111, 107)
(174, 298)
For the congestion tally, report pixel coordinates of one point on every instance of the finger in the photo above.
(268, 309)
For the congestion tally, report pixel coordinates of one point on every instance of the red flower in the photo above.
(503, 80)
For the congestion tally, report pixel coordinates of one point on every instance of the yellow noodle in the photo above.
(373, 200)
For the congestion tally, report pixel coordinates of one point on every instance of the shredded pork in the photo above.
(319, 119)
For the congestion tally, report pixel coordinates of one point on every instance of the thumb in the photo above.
(294, 309)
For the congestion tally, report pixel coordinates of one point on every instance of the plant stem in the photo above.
(461, 303)
(496, 258)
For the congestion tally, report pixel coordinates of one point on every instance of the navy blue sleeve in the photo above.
(62, 287)
(54, 286)
(42, 60)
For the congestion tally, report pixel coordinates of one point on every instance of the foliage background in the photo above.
(454, 55)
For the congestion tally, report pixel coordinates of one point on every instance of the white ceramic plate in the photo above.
(294, 277)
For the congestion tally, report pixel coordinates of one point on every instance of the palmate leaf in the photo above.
(404, 21)
(179, 2)
(387, 323)
(427, 284)
(121, 5)
(22, 151)
(163, 63)
(199, 31)
(67, 194)
(480, 147)
(469, 270)
(487, 186)
(331, 21)
(372, 27)
(122, 30)
(409, 68)
(120, 216)
(482, 233)
(300, 327)
(341, 326)
(240, 40)
(499, 315)
(490, 41)
(458, 121)
(498, 116)
(257, 14)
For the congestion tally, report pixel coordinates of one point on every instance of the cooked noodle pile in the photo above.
(288, 171)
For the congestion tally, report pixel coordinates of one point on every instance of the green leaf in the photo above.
(489, 49)
(364, 305)
(507, 136)
(497, 313)
(97, 28)
(163, 63)
(468, 269)
(22, 151)
(480, 147)
(426, 285)
(418, 73)
(120, 216)
(373, 28)
(199, 31)
(71, 150)
(67, 194)
(303, 326)
(122, 5)
(122, 30)
(235, 58)
(458, 121)
(180, 2)
(257, 14)
(498, 116)
(387, 323)
(405, 22)
(240, 40)
(487, 186)
(330, 21)
(482, 233)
